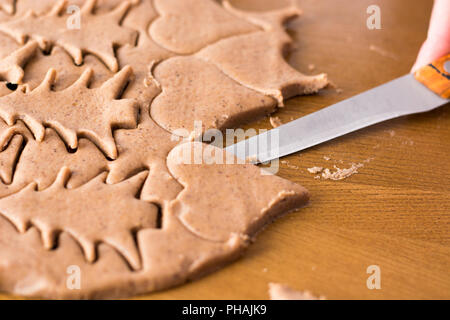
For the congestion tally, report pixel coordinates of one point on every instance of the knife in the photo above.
(423, 91)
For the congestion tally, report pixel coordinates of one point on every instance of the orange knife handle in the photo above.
(435, 77)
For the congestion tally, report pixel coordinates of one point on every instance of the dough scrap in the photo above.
(186, 26)
(75, 110)
(203, 94)
(315, 170)
(283, 292)
(98, 33)
(275, 122)
(341, 174)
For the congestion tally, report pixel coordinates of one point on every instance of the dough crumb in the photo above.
(335, 87)
(275, 122)
(341, 174)
(315, 170)
(290, 166)
(331, 84)
(251, 160)
(282, 292)
(311, 67)
(326, 158)
(408, 142)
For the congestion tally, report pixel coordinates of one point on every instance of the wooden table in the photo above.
(395, 213)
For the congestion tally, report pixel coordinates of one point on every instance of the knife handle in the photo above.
(436, 76)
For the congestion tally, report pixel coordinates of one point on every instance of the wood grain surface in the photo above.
(395, 213)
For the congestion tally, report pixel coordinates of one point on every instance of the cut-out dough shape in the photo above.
(11, 66)
(110, 214)
(74, 111)
(260, 64)
(186, 26)
(242, 194)
(195, 90)
(147, 147)
(98, 34)
(68, 73)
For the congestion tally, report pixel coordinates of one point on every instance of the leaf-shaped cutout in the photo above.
(74, 111)
(95, 212)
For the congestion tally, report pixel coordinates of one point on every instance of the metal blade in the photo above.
(396, 98)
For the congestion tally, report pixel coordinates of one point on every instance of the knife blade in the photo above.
(399, 97)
